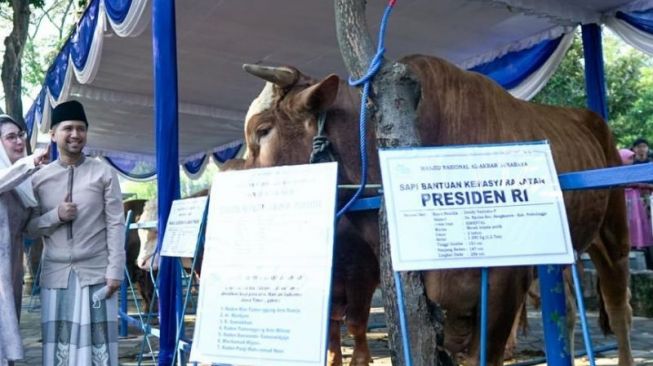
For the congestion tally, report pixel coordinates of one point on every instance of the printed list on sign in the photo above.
(269, 241)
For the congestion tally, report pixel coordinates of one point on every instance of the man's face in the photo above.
(641, 150)
(70, 136)
(13, 141)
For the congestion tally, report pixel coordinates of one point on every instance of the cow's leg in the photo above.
(338, 308)
(456, 292)
(334, 355)
(519, 322)
(139, 278)
(359, 299)
(506, 295)
(614, 291)
(359, 268)
(610, 257)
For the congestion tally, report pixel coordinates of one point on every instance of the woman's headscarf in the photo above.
(625, 154)
(24, 189)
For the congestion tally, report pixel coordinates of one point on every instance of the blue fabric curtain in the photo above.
(513, 68)
(127, 166)
(56, 75)
(635, 28)
(594, 71)
(35, 112)
(227, 154)
(81, 40)
(642, 20)
(167, 134)
(194, 166)
(54, 153)
(117, 10)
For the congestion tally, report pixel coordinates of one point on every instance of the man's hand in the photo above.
(113, 286)
(67, 210)
(41, 156)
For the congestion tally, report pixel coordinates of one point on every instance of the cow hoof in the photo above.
(361, 361)
(334, 360)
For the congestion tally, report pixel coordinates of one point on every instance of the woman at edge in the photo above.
(639, 224)
(16, 198)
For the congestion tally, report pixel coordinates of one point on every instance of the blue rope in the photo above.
(366, 80)
(403, 324)
(484, 314)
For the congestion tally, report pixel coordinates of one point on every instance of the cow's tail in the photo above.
(604, 321)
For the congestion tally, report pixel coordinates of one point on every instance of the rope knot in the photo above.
(321, 150)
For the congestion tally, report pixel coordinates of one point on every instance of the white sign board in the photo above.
(264, 298)
(474, 206)
(183, 227)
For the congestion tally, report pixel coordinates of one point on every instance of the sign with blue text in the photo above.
(474, 206)
(264, 298)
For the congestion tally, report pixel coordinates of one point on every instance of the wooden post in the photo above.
(392, 107)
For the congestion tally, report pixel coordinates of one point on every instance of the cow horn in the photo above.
(282, 76)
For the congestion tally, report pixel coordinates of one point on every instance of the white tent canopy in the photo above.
(214, 38)
(112, 57)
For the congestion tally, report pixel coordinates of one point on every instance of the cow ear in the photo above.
(319, 97)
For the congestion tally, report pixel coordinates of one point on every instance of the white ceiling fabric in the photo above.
(214, 38)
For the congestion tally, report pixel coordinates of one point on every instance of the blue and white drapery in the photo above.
(524, 72)
(80, 57)
(81, 53)
(194, 166)
(634, 27)
(522, 67)
(525, 67)
(143, 168)
(134, 169)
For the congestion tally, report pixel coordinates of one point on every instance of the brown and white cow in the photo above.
(139, 275)
(458, 107)
(147, 258)
(148, 237)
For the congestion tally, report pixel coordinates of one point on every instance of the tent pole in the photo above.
(554, 315)
(164, 57)
(594, 70)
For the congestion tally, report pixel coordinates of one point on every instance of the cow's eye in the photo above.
(263, 131)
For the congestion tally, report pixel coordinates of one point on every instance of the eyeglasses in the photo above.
(13, 137)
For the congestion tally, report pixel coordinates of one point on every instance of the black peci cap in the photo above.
(639, 141)
(71, 110)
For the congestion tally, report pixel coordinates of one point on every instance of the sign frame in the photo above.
(463, 186)
(239, 278)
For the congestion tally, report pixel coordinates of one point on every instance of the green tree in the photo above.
(48, 29)
(188, 187)
(142, 190)
(38, 29)
(12, 59)
(629, 85)
(567, 86)
(636, 120)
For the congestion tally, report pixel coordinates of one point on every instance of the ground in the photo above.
(530, 345)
